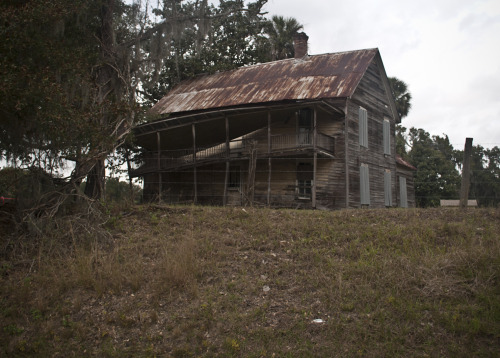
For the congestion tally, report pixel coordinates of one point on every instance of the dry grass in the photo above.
(212, 282)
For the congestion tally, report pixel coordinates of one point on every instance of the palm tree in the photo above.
(280, 31)
(401, 96)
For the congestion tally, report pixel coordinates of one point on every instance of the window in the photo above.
(387, 188)
(234, 177)
(403, 198)
(387, 137)
(304, 126)
(364, 184)
(363, 127)
(304, 180)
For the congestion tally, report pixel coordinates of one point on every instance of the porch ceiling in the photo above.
(176, 132)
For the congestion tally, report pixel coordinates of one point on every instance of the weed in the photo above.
(154, 219)
(177, 268)
(108, 349)
(5, 268)
(36, 315)
(232, 346)
(13, 330)
(66, 321)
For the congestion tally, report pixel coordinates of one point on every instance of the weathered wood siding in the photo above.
(372, 96)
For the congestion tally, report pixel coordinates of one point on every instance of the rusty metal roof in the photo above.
(333, 75)
(404, 163)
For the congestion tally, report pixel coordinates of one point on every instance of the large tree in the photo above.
(233, 37)
(485, 175)
(46, 90)
(70, 71)
(66, 86)
(437, 176)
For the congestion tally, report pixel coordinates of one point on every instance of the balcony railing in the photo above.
(299, 141)
(171, 159)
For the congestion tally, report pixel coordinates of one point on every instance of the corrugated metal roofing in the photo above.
(403, 162)
(333, 75)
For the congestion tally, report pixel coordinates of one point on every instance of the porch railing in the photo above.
(170, 159)
(305, 140)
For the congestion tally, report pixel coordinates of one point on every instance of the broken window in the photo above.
(234, 177)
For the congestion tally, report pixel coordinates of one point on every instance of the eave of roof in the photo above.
(182, 119)
(316, 77)
(404, 163)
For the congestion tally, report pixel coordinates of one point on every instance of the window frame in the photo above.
(388, 188)
(403, 192)
(304, 181)
(363, 127)
(386, 128)
(364, 185)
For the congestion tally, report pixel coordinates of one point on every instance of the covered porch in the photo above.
(267, 134)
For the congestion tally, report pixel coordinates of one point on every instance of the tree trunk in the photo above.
(95, 181)
(96, 177)
(129, 171)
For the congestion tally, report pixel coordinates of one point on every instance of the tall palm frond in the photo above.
(280, 31)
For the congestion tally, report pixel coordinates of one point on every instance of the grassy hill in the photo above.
(232, 282)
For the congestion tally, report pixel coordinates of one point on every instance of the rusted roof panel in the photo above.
(404, 163)
(333, 75)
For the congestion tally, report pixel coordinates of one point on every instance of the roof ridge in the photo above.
(290, 59)
(347, 51)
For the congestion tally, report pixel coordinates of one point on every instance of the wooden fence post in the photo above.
(464, 190)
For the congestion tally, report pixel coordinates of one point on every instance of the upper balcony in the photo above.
(240, 148)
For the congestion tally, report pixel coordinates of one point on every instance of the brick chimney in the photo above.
(300, 44)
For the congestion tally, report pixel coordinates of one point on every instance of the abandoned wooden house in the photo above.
(306, 132)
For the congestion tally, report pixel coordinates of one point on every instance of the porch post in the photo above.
(269, 158)
(315, 162)
(226, 179)
(195, 181)
(158, 146)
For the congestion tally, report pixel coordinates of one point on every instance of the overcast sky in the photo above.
(447, 51)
